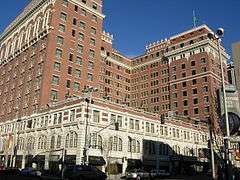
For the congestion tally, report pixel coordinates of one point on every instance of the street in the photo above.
(12, 177)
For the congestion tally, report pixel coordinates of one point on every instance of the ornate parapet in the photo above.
(107, 37)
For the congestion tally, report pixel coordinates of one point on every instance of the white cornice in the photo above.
(191, 30)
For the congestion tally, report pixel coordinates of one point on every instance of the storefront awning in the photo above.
(96, 161)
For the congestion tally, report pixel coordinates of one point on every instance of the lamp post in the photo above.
(88, 91)
(217, 36)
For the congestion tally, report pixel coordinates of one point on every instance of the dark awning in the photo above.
(96, 161)
(38, 158)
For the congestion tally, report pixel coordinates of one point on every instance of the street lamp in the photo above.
(88, 91)
(217, 36)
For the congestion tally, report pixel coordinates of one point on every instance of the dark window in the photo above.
(195, 101)
(193, 72)
(184, 84)
(183, 74)
(183, 66)
(194, 81)
(69, 70)
(184, 93)
(193, 63)
(70, 57)
(194, 91)
(196, 111)
(182, 45)
(73, 33)
(74, 21)
(185, 102)
(68, 85)
(185, 112)
(76, 8)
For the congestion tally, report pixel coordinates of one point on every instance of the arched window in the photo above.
(134, 145)
(138, 147)
(71, 140)
(120, 144)
(115, 143)
(67, 141)
(96, 141)
(30, 143)
(59, 139)
(20, 144)
(42, 142)
(99, 142)
(52, 144)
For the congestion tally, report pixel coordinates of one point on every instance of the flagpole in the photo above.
(194, 19)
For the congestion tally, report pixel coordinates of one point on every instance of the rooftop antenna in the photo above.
(194, 19)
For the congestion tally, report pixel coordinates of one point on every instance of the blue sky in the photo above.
(135, 23)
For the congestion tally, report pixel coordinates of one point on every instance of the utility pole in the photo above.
(211, 149)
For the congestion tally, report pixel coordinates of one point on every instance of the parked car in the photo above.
(29, 171)
(138, 174)
(83, 172)
(159, 173)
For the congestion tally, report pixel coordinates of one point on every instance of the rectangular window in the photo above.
(96, 116)
(74, 21)
(113, 118)
(81, 37)
(69, 70)
(61, 28)
(57, 66)
(90, 77)
(194, 91)
(79, 60)
(206, 100)
(119, 120)
(93, 42)
(60, 40)
(54, 95)
(206, 109)
(72, 115)
(63, 16)
(131, 124)
(137, 125)
(80, 49)
(94, 6)
(93, 31)
(58, 53)
(147, 127)
(91, 53)
(196, 111)
(55, 80)
(152, 128)
(73, 33)
(94, 18)
(78, 73)
(70, 57)
(195, 101)
(68, 85)
(82, 25)
(76, 86)
(90, 64)
(83, 12)
(65, 2)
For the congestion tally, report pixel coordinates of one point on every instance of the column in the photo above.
(124, 165)
(23, 161)
(46, 164)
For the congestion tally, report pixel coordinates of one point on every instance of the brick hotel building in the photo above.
(56, 48)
